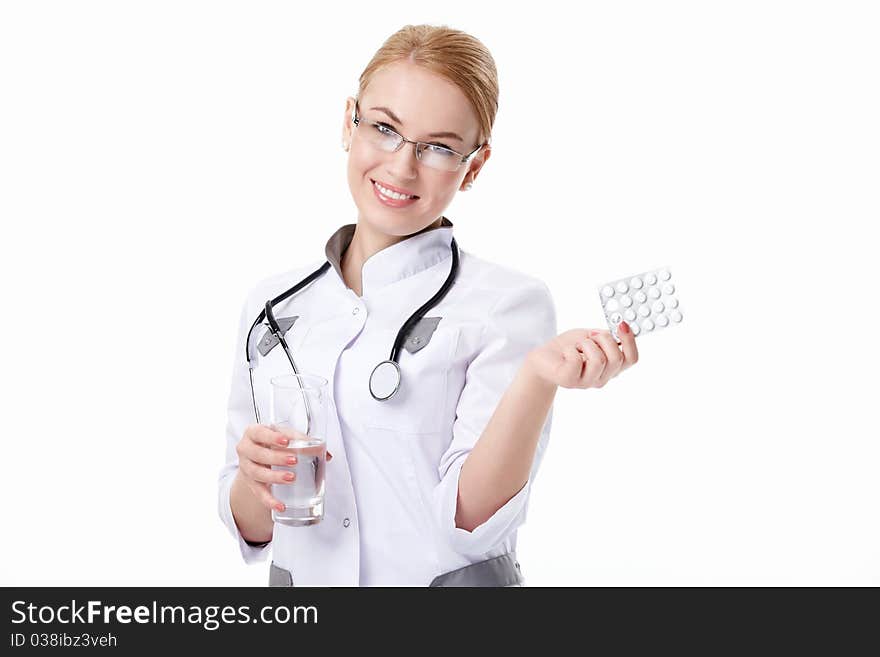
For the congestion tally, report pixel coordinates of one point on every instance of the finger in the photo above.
(268, 456)
(613, 355)
(265, 474)
(263, 493)
(572, 368)
(274, 437)
(265, 435)
(595, 363)
(289, 433)
(628, 344)
(276, 455)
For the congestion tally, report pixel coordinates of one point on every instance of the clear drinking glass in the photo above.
(299, 404)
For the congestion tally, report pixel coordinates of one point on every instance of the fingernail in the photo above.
(279, 507)
(594, 332)
(624, 327)
(283, 441)
(291, 460)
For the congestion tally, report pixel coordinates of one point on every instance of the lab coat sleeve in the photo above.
(240, 414)
(521, 320)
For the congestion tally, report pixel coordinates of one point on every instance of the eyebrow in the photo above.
(394, 118)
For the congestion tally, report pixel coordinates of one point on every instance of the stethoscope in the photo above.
(385, 378)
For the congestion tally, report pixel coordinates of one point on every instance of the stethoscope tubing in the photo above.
(266, 313)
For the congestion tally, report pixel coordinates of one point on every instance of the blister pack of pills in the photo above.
(646, 301)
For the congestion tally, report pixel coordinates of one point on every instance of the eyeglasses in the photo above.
(382, 136)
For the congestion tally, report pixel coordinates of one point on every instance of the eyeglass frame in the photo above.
(355, 119)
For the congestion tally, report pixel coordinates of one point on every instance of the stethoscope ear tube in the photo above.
(276, 331)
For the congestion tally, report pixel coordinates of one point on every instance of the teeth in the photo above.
(390, 194)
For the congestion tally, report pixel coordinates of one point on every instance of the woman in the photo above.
(429, 487)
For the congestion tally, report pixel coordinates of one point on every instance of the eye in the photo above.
(439, 149)
(384, 129)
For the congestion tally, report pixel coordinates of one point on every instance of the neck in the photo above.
(364, 244)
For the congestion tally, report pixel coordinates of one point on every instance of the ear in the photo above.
(347, 125)
(477, 163)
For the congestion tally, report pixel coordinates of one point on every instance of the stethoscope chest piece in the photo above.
(385, 380)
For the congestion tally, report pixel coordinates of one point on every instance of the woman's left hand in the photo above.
(584, 358)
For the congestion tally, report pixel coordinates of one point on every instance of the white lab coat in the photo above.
(391, 487)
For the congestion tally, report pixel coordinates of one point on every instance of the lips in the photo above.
(389, 201)
(393, 188)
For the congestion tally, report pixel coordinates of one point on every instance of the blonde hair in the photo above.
(452, 54)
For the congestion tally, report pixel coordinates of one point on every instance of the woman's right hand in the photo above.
(259, 449)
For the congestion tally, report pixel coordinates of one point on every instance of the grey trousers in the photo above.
(498, 571)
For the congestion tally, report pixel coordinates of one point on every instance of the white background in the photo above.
(157, 159)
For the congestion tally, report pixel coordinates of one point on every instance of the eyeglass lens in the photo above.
(430, 155)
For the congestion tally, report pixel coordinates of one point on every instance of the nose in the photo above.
(402, 163)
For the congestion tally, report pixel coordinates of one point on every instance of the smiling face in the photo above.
(423, 105)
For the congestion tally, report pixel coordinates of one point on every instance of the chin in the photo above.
(388, 224)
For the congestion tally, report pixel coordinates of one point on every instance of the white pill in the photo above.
(654, 293)
(676, 316)
(672, 303)
(648, 325)
(629, 314)
(636, 283)
(616, 318)
(665, 275)
(644, 311)
(622, 287)
(661, 320)
(608, 291)
(669, 288)
(658, 307)
(626, 301)
(611, 305)
(635, 329)
(650, 279)
(640, 297)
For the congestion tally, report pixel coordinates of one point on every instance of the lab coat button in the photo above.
(355, 311)
(346, 522)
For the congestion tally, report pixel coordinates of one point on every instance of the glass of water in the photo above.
(299, 411)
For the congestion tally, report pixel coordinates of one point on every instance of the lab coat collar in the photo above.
(398, 261)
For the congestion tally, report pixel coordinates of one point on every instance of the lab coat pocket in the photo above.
(420, 404)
